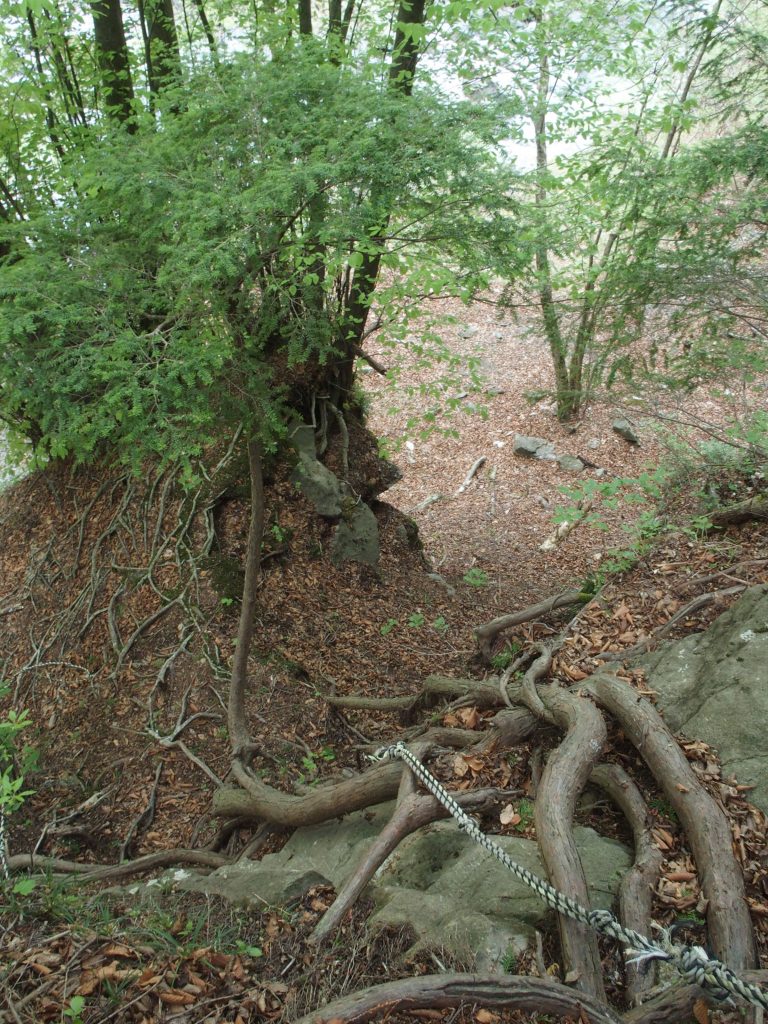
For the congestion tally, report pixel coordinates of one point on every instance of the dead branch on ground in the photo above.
(487, 633)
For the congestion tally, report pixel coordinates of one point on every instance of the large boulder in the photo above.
(713, 686)
(440, 883)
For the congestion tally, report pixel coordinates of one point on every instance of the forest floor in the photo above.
(68, 955)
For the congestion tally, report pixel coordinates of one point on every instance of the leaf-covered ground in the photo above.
(118, 608)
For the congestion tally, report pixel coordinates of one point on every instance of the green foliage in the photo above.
(73, 1012)
(475, 577)
(505, 658)
(15, 763)
(198, 274)
(388, 626)
(416, 620)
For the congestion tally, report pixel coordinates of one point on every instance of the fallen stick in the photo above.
(470, 475)
(562, 530)
(487, 633)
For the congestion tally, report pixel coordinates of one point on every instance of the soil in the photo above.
(118, 608)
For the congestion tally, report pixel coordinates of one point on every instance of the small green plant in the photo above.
(280, 534)
(74, 1011)
(509, 961)
(505, 658)
(388, 626)
(14, 766)
(310, 762)
(475, 577)
(243, 948)
(525, 810)
(440, 625)
(227, 602)
(416, 620)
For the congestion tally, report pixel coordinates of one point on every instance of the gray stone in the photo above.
(713, 686)
(533, 447)
(624, 429)
(570, 463)
(319, 486)
(302, 439)
(468, 330)
(356, 538)
(440, 883)
(317, 483)
(594, 443)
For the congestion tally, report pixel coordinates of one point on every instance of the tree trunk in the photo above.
(401, 74)
(239, 733)
(162, 45)
(112, 55)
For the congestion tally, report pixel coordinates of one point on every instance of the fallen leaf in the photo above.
(486, 1017)
(172, 997)
(681, 788)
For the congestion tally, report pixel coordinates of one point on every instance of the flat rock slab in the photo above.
(713, 686)
(440, 883)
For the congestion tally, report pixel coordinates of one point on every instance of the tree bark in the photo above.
(162, 45)
(239, 733)
(112, 54)
(705, 824)
(564, 777)
(435, 991)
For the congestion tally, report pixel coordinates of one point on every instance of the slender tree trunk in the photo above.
(50, 117)
(208, 33)
(401, 74)
(161, 45)
(112, 54)
(239, 733)
(551, 319)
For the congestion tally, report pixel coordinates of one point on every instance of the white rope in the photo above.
(691, 961)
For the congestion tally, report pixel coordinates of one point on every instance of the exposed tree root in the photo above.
(436, 991)
(111, 872)
(641, 879)
(693, 606)
(676, 1004)
(741, 512)
(562, 781)
(705, 824)
(487, 633)
(260, 802)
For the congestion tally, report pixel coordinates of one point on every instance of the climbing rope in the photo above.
(692, 962)
(4, 868)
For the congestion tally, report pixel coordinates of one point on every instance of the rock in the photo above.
(570, 463)
(356, 538)
(594, 443)
(534, 447)
(319, 486)
(443, 885)
(713, 686)
(468, 330)
(437, 578)
(624, 429)
(317, 483)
